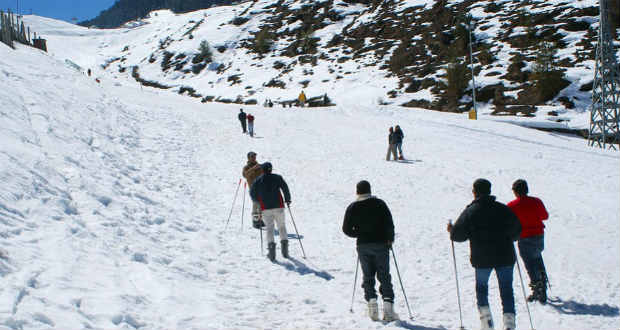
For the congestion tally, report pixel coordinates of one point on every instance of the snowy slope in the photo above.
(115, 201)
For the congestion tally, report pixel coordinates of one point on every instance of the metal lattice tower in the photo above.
(604, 120)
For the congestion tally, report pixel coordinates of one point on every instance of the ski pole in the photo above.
(524, 295)
(546, 277)
(458, 292)
(401, 283)
(243, 205)
(298, 237)
(357, 266)
(233, 204)
(261, 241)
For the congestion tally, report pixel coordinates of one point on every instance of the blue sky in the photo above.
(60, 9)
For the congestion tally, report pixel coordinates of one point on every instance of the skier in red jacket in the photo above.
(531, 213)
(250, 124)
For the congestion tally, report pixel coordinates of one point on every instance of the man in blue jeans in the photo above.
(531, 212)
(491, 228)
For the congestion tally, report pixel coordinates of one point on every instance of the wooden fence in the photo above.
(12, 29)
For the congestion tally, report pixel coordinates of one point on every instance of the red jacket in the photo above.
(250, 118)
(531, 212)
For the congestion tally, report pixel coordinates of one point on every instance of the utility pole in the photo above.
(604, 120)
(471, 65)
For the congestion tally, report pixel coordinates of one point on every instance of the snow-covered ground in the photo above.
(115, 200)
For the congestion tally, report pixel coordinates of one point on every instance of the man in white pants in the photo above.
(266, 190)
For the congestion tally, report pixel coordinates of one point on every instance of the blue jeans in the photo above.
(530, 249)
(399, 147)
(504, 278)
(375, 261)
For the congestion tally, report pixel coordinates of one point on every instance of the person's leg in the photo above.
(400, 149)
(369, 270)
(256, 215)
(482, 286)
(530, 249)
(482, 297)
(279, 218)
(504, 279)
(268, 218)
(394, 151)
(389, 151)
(386, 289)
(382, 254)
(527, 251)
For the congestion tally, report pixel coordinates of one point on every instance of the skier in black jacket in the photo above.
(266, 191)
(242, 117)
(491, 228)
(370, 221)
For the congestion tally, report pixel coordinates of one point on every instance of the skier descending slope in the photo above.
(491, 228)
(266, 191)
(370, 221)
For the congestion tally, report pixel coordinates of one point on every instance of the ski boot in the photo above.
(284, 246)
(486, 320)
(388, 312)
(271, 254)
(373, 309)
(509, 321)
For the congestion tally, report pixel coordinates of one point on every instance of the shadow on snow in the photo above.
(409, 161)
(299, 267)
(407, 325)
(576, 308)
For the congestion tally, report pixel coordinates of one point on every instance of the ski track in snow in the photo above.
(116, 200)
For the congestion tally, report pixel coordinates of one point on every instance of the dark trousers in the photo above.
(243, 127)
(504, 278)
(530, 249)
(375, 261)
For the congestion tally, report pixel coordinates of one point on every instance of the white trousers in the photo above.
(274, 215)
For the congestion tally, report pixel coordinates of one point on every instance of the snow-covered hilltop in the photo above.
(412, 53)
(115, 195)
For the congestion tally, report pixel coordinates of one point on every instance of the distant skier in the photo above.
(391, 146)
(491, 228)
(242, 118)
(370, 221)
(250, 124)
(531, 212)
(266, 190)
(251, 171)
(398, 141)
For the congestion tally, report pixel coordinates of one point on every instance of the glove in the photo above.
(389, 244)
(288, 203)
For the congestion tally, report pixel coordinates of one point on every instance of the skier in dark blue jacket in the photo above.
(266, 190)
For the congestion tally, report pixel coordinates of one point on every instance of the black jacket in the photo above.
(369, 220)
(491, 228)
(266, 190)
(241, 116)
(398, 136)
